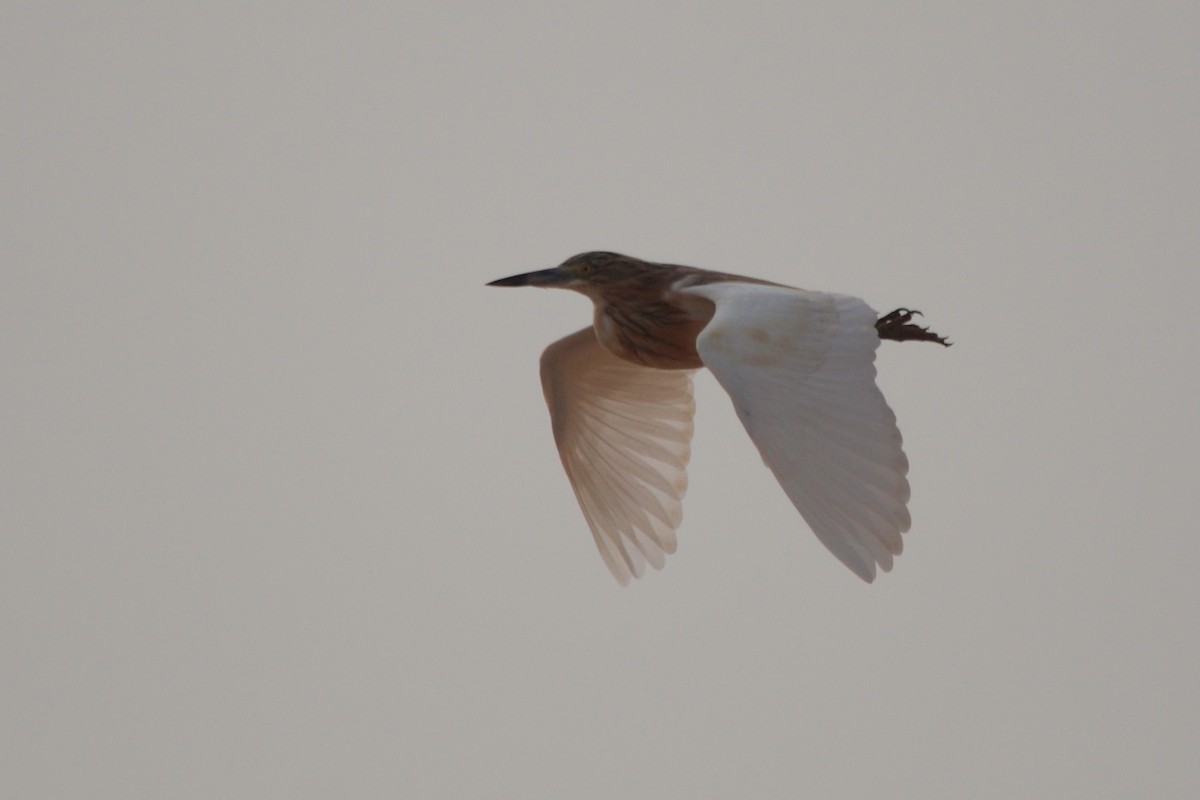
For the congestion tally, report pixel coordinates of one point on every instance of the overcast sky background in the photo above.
(282, 516)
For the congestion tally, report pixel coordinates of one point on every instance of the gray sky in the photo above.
(282, 516)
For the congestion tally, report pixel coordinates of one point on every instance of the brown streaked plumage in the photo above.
(798, 365)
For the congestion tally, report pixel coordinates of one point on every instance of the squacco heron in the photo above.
(799, 366)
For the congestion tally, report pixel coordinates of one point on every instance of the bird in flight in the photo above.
(800, 369)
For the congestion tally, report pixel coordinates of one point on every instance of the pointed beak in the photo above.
(546, 277)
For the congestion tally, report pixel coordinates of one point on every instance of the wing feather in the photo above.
(800, 368)
(624, 436)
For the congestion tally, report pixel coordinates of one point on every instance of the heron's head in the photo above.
(586, 271)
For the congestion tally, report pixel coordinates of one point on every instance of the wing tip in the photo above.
(864, 570)
(626, 578)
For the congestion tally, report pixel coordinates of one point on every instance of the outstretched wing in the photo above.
(800, 367)
(624, 434)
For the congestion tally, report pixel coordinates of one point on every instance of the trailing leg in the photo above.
(899, 327)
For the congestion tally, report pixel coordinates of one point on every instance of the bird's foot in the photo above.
(899, 327)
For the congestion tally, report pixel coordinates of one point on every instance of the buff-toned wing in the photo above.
(800, 367)
(624, 434)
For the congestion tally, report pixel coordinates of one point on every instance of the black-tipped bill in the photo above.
(545, 277)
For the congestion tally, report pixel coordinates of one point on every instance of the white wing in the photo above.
(800, 367)
(624, 434)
